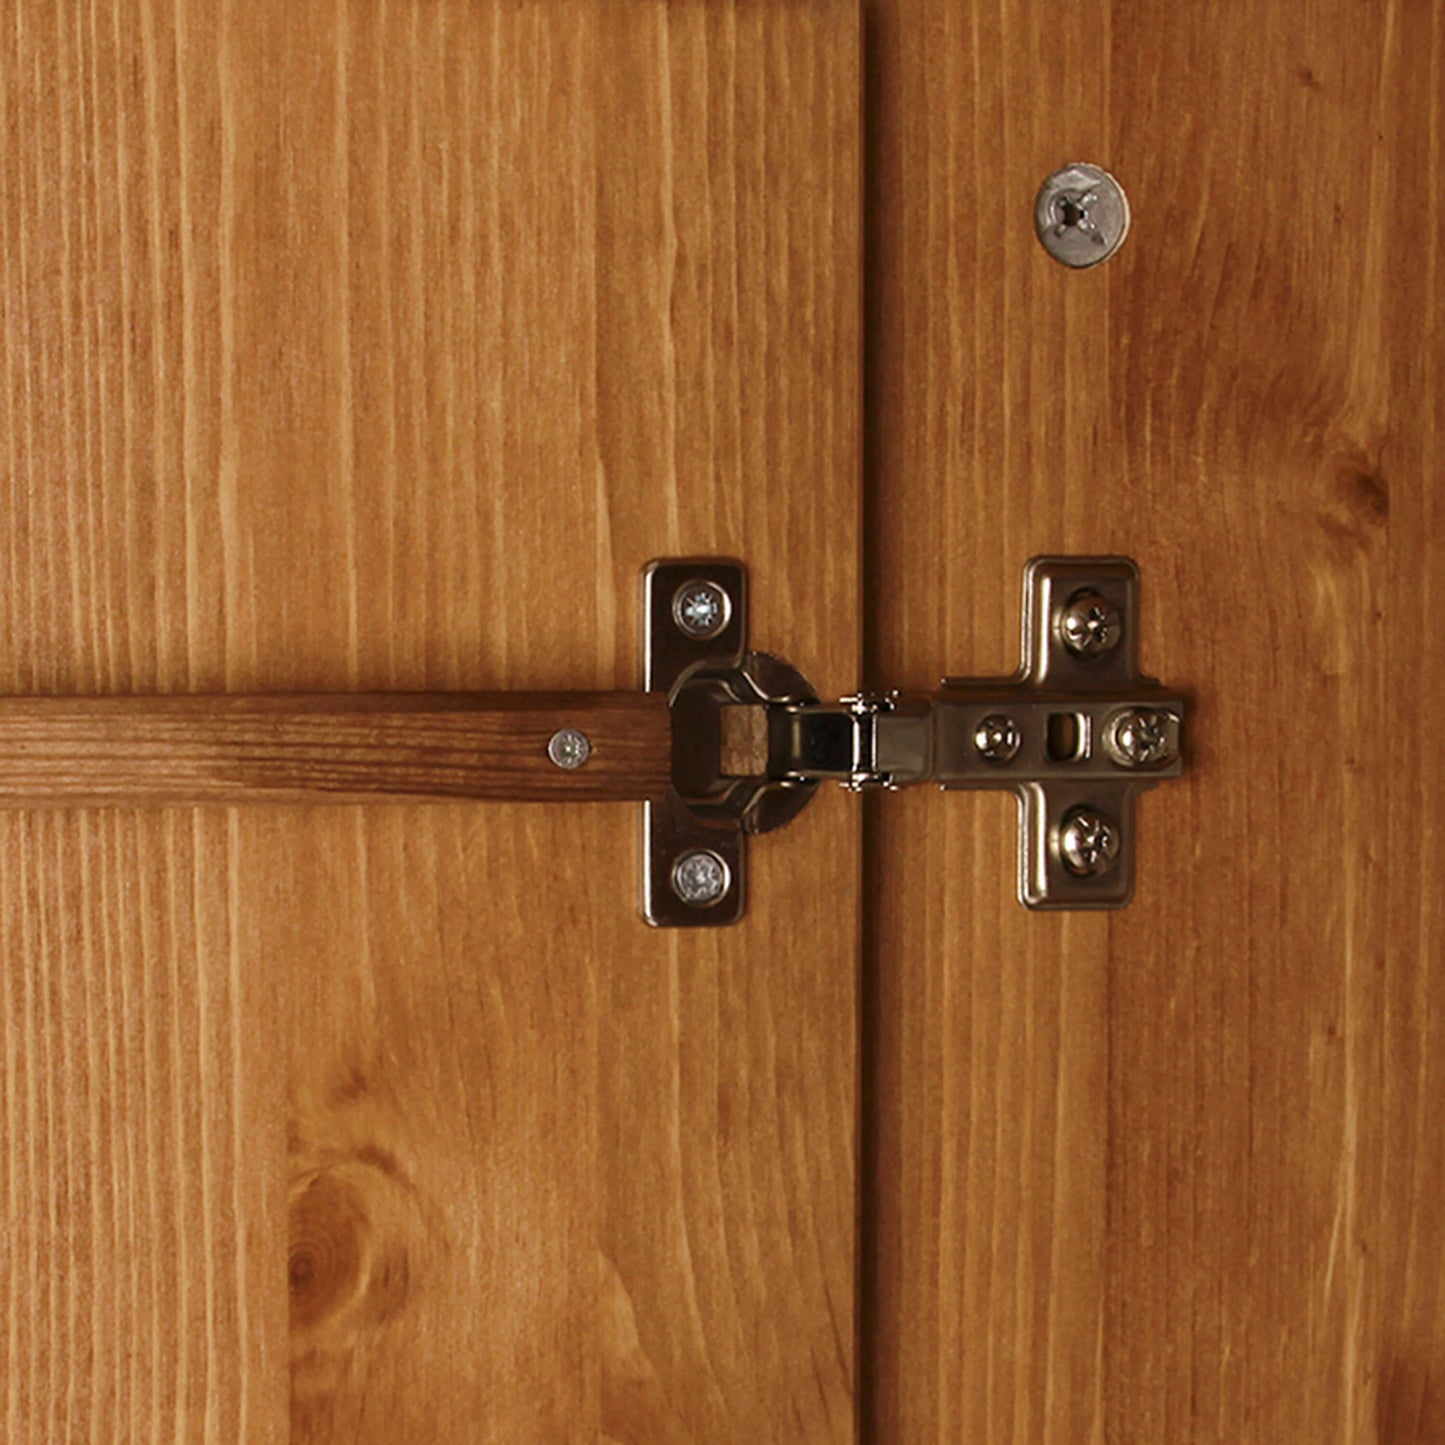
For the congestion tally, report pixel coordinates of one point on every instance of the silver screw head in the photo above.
(1141, 737)
(1088, 842)
(700, 878)
(1081, 215)
(569, 748)
(701, 609)
(997, 738)
(1090, 625)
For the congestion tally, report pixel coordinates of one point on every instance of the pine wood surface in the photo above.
(175, 751)
(1172, 1174)
(376, 347)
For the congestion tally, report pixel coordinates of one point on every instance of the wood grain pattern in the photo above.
(143, 1158)
(337, 748)
(375, 347)
(1170, 1175)
(142, 1150)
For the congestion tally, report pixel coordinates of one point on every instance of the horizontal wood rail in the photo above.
(182, 750)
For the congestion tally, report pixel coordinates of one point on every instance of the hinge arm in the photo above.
(948, 739)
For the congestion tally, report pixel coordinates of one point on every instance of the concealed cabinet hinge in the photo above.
(1077, 734)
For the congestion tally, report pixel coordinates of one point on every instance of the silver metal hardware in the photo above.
(1142, 737)
(862, 772)
(700, 609)
(700, 878)
(706, 809)
(1081, 215)
(1089, 624)
(997, 738)
(569, 748)
(1077, 733)
(1088, 842)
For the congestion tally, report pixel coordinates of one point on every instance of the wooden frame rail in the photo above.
(182, 750)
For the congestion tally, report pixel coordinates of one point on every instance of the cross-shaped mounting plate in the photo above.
(1093, 732)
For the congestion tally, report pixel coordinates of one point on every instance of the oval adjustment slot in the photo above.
(1066, 737)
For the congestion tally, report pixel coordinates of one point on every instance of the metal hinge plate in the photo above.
(1077, 733)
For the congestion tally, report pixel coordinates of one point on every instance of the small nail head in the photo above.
(569, 748)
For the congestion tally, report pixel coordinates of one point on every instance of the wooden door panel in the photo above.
(1167, 1174)
(378, 347)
